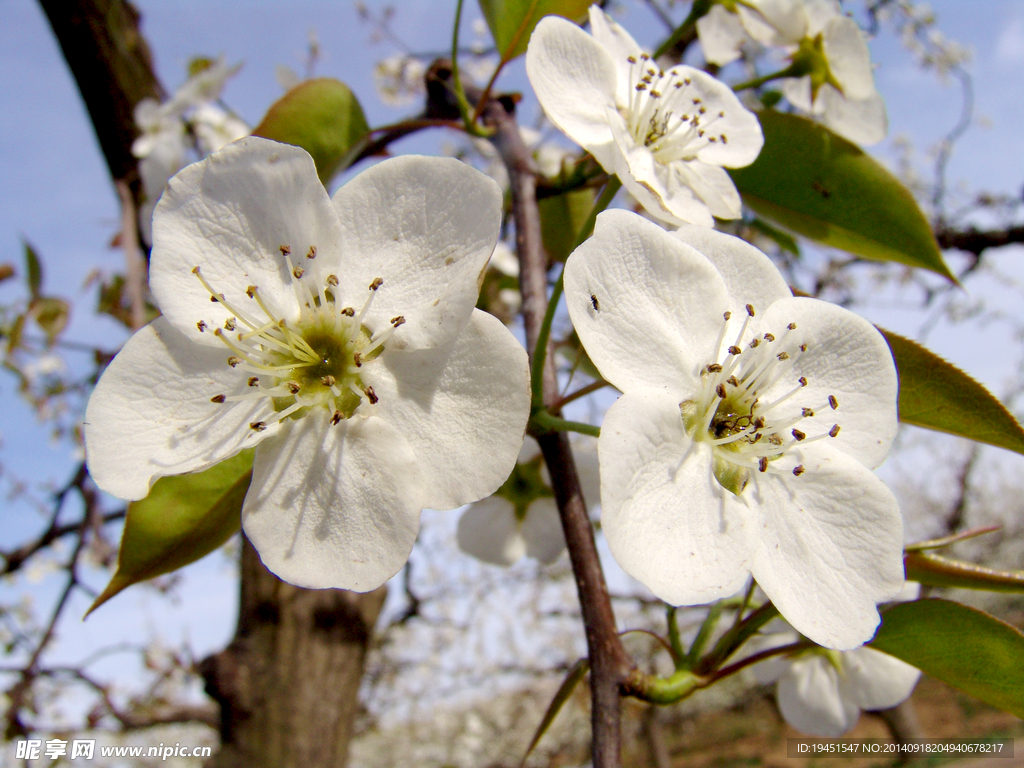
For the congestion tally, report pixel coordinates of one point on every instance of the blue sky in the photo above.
(58, 195)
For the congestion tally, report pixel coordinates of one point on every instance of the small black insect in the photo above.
(594, 302)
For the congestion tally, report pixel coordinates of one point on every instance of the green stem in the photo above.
(757, 82)
(699, 8)
(675, 641)
(542, 423)
(460, 94)
(732, 669)
(735, 637)
(664, 690)
(540, 353)
(703, 634)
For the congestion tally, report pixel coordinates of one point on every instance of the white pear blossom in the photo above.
(339, 338)
(399, 80)
(749, 424)
(837, 85)
(665, 133)
(822, 692)
(521, 519)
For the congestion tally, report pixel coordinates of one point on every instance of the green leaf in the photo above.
(512, 21)
(51, 315)
(184, 518)
(968, 649)
(561, 218)
(938, 571)
(323, 117)
(576, 674)
(33, 270)
(937, 395)
(821, 186)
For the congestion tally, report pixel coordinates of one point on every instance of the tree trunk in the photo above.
(113, 68)
(288, 683)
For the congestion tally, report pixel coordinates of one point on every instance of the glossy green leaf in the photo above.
(938, 571)
(937, 395)
(561, 218)
(323, 117)
(184, 518)
(968, 649)
(821, 186)
(512, 21)
(33, 270)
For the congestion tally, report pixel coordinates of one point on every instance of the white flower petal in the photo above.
(830, 545)
(819, 13)
(463, 408)
(847, 358)
(575, 80)
(668, 522)
(650, 290)
(229, 214)
(656, 187)
(151, 414)
(750, 276)
(721, 35)
(712, 185)
(334, 505)
(808, 697)
(848, 57)
(876, 680)
(797, 91)
(488, 530)
(427, 226)
(584, 451)
(774, 22)
(724, 115)
(618, 43)
(542, 531)
(863, 122)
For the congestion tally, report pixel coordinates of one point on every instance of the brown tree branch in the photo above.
(113, 68)
(975, 241)
(610, 665)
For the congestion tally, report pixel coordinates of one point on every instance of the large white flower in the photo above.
(665, 134)
(822, 693)
(338, 338)
(838, 86)
(521, 519)
(748, 427)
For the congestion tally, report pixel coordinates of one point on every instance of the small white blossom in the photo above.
(667, 134)
(822, 693)
(399, 80)
(163, 147)
(339, 338)
(521, 519)
(839, 85)
(749, 424)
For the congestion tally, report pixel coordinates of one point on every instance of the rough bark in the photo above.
(113, 68)
(288, 683)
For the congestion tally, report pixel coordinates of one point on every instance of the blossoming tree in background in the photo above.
(317, 370)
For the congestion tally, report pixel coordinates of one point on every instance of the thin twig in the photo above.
(610, 664)
(135, 271)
